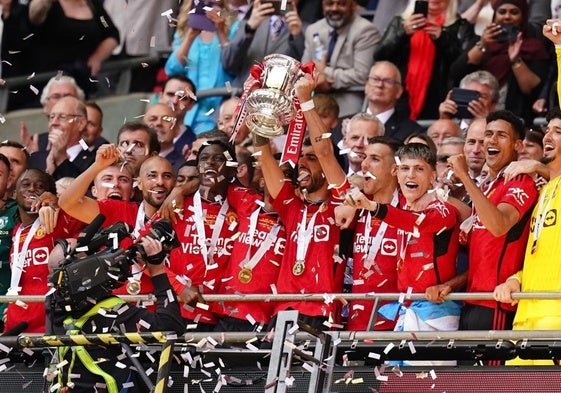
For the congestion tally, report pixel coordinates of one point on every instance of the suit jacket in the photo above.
(350, 61)
(176, 159)
(400, 127)
(245, 50)
(67, 168)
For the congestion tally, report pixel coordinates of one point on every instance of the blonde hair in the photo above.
(451, 11)
(183, 16)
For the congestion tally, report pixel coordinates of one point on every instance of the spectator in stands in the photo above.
(161, 119)
(361, 127)
(498, 229)
(56, 88)
(421, 138)
(259, 34)
(349, 41)
(532, 145)
(72, 36)
(423, 49)
(450, 146)
(94, 127)
(197, 50)
(474, 148)
(66, 156)
(383, 89)
(488, 87)
(17, 156)
(179, 93)
(443, 128)
(144, 31)
(385, 11)
(520, 63)
(137, 142)
(226, 118)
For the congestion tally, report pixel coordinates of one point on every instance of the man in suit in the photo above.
(350, 41)
(161, 119)
(66, 157)
(383, 88)
(261, 33)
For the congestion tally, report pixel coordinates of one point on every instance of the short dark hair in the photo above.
(226, 146)
(554, 113)
(418, 150)
(16, 145)
(393, 143)
(516, 122)
(5, 160)
(93, 104)
(153, 145)
(182, 78)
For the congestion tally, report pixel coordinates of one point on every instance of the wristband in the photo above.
(307, 106)
(516, 62)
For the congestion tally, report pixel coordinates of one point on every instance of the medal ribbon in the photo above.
(18, 257)
(304, 234)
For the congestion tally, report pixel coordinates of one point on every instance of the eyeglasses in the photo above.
(63, 117)
(442, 158)
(386, 81)
(134, 148)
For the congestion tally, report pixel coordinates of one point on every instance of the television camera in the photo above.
(79, 282)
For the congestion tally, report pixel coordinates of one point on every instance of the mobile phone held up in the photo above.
(509, 33)
(197, 16)
(281, 6)
(462, 98)
(421, 7)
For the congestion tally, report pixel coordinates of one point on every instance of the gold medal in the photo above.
(133, 287)
(245, 275)
(298, 268)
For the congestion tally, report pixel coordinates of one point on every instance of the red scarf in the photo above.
(419, 68)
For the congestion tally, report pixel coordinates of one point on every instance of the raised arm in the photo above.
(74, 200)
(321, 142)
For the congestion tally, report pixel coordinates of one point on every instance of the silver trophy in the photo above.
(272, 106)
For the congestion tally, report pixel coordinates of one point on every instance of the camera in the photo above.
(80, 282)
(509, 33)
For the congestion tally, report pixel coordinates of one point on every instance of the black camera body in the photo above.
(509, 33)
(81, 282)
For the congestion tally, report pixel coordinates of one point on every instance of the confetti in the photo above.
(34, 89)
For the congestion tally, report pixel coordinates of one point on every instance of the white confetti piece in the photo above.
(34, 89)
(432, 374)
(83, 144)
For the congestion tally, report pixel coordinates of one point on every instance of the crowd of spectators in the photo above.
(449, 208)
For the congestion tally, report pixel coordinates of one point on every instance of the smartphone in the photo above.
(279, 10)
(508, 33)
(197, 16)
(462, 98)
(421, 7)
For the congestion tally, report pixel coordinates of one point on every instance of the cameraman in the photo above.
(106, 365)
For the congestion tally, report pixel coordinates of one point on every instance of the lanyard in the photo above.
(305, 234)
(18, 257)
(200, 226)
(377, 241)
(250, 263)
